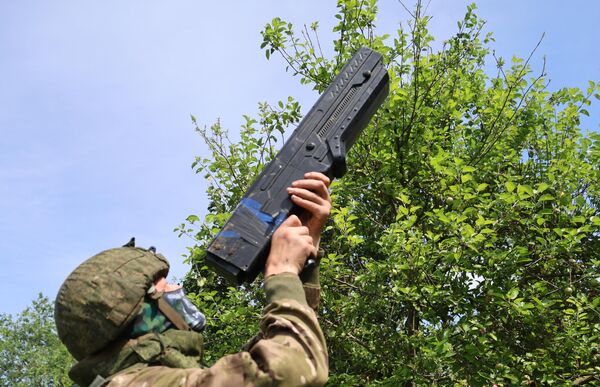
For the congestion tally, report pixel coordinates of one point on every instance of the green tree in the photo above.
(30, 352)
(464, 242)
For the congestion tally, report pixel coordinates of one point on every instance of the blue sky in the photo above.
(96, 141)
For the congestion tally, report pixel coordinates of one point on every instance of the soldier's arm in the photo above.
(293, 347)
(291, 350)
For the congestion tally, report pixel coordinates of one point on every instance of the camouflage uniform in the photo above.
(289, 350)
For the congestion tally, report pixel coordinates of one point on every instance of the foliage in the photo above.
(464, 242)
(30, 352)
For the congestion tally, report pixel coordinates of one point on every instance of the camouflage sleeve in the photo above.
(311, 283)
(291, 349)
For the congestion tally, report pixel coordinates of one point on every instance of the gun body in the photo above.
(319, 143)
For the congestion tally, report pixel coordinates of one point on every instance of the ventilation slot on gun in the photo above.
(323, 131)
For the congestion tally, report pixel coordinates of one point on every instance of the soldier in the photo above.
(126, 326)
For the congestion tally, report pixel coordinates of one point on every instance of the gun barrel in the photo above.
(319, 143)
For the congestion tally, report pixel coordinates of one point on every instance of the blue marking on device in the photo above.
(229, 234)
(254, 207)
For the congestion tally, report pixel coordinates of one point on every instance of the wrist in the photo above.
(274, 269)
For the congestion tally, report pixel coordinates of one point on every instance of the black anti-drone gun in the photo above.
(318, 144)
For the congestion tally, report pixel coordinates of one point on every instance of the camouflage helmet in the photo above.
(103, 295)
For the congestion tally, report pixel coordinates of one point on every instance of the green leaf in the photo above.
(512, 293)
(192, 218)
(524, 191)
(467, 231)
(510, 186)
(542, 187)
(403, 210)
(545, 198)
(441, 216)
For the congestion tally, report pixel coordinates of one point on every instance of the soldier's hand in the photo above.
(290, 246)
(312, 194)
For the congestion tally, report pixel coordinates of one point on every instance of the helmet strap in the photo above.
(172, 315)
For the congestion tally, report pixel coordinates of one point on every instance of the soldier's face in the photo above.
(175, 296)
(162, 285)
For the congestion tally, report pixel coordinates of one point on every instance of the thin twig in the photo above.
(520, 76)
(406, 9)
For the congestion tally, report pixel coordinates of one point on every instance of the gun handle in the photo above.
(310, 263)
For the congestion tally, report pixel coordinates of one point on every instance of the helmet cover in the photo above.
(103, 295)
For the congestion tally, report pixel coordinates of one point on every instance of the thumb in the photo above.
(292, 221)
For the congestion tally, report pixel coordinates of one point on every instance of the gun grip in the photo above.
(310, 263)
(338, 152)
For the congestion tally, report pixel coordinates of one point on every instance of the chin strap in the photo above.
(172, 315)
(168, 310)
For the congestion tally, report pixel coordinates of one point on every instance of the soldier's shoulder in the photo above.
(233, 370)
(152, 376)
